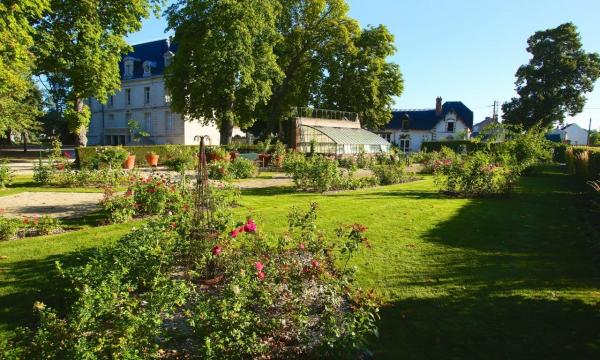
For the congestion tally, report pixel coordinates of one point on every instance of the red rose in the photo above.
(216, 250)
(234, 233)
(314, 263)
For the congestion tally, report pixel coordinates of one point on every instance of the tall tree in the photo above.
(359, 78)
(18, 94)
(555, 80)
(79, 43)
(225, 63)
(311, 32)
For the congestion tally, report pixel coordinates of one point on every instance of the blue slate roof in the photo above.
(427, 119)
(153, 51)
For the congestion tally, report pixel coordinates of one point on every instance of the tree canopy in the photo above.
(287, 53)
(19, 98)
(79, 44)
(555, 80)
(225, 63)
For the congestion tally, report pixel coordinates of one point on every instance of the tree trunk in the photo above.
(25, 140)
(81, 134)
(226, 132)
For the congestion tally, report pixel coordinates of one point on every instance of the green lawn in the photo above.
(466, 279)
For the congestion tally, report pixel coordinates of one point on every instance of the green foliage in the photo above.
(90, 41)
(242, 168)
(9, 228)
(181, 158)
(113, 156)
(315, 173)
(559, 154)
(226, 47)
(475, 175)
(555, 80)
(6, 174)
(19, 97)
(391, 173)
(459, 146)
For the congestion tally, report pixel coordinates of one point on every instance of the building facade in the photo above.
(140, 113)
(408, 129)
(571, 133)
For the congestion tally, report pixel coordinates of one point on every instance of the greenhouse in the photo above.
(340, 140)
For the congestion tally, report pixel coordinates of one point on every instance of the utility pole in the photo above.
(589, 131)
(495, 111)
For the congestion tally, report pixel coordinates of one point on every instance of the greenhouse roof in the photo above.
(351, 136)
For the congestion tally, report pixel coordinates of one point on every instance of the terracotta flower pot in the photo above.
(278, 161)
(152, 159)
(129, 163)
(264, 159)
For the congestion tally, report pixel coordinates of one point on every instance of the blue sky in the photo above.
(463, 50)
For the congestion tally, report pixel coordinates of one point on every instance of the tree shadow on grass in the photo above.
(507, 279)
(479, 326)
(35, 280)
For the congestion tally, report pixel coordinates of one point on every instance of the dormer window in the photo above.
(450, 126)
(168, 56)
(147, 68)
(128, 67)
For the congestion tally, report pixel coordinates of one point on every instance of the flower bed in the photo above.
(175, 289)
(28, 226)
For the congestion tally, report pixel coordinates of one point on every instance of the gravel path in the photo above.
(55, 204)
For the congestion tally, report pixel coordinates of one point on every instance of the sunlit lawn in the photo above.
(485, 279)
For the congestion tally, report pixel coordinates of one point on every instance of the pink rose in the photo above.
(261, 275)
(216, 250)
(259, 266)
(234, 233)
(314, 263)
(250, 226)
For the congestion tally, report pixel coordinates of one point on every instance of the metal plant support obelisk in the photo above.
(203, 213)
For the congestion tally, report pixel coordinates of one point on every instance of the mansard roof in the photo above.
(153, 52)
(427, 119)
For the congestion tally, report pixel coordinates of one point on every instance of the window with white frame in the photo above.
(168, 121)
(404, 145)
(147, 95)
(128, 68)
(167, 97)
(386, 136)
(128, 96)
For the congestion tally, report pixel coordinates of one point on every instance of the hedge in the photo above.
(457, 145)
(559, 155)
(85, 155)
(584, 162)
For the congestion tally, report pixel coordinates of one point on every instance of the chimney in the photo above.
(438, 106)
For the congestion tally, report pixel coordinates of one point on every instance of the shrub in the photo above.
(236, 295)
(9, 228)
(46, 225)
(181, 158)
(118, 209)
(242, 168)
(388, 174)
(42, 173)
(84, 177)
(219, 170)
(315, 173)
(6, 174)
(112, 156)
(559, 153)
(473, 176)
(583, 162)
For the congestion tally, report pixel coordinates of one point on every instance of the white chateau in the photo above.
(143, 98)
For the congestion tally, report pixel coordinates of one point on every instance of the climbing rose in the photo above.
(259, 266)
(261, 275)
(216, 251)
(250, 226)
